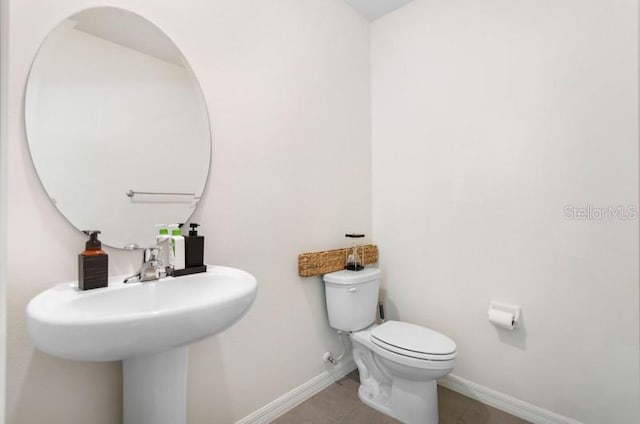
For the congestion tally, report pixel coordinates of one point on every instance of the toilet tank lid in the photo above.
(415, 338)
(353, 277)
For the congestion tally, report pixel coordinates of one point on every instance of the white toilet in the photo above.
(398, 362)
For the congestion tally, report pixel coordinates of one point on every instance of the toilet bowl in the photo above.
(398, 362)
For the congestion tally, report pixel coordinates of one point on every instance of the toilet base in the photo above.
(404, 404)
(406, 394)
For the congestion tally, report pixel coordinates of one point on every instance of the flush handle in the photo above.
(353, 290)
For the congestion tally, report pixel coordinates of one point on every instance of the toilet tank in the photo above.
(352, 298)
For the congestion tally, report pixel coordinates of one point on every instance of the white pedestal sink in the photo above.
(147, 325)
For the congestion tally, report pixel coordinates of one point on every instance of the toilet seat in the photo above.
(413, 341)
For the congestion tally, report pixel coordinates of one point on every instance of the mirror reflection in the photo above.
(117, 126)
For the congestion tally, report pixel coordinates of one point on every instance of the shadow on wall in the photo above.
(42, 399)
(208, 383)
(390, 308)
(516, 337)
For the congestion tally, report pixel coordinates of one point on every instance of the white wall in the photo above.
(4, 19)
(488, 118)
(287, 85)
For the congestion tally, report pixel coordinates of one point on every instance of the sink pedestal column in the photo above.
(155, 388)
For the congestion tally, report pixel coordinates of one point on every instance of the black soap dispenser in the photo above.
(194, 247)
(93, 264)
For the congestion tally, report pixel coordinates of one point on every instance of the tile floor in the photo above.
(339, 404)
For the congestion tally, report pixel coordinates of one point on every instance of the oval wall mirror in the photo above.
(117, 126)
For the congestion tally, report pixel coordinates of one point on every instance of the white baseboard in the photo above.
(513, 406)
(290, 400)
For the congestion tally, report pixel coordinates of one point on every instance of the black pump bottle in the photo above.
(194, 247)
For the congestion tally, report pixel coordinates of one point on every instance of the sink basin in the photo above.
(134, 319)
(147, 325)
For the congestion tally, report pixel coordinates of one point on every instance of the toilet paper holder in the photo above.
(504, 315)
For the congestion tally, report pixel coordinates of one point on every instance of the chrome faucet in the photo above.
(153, 265)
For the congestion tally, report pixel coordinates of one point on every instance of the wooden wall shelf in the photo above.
(318, 263)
